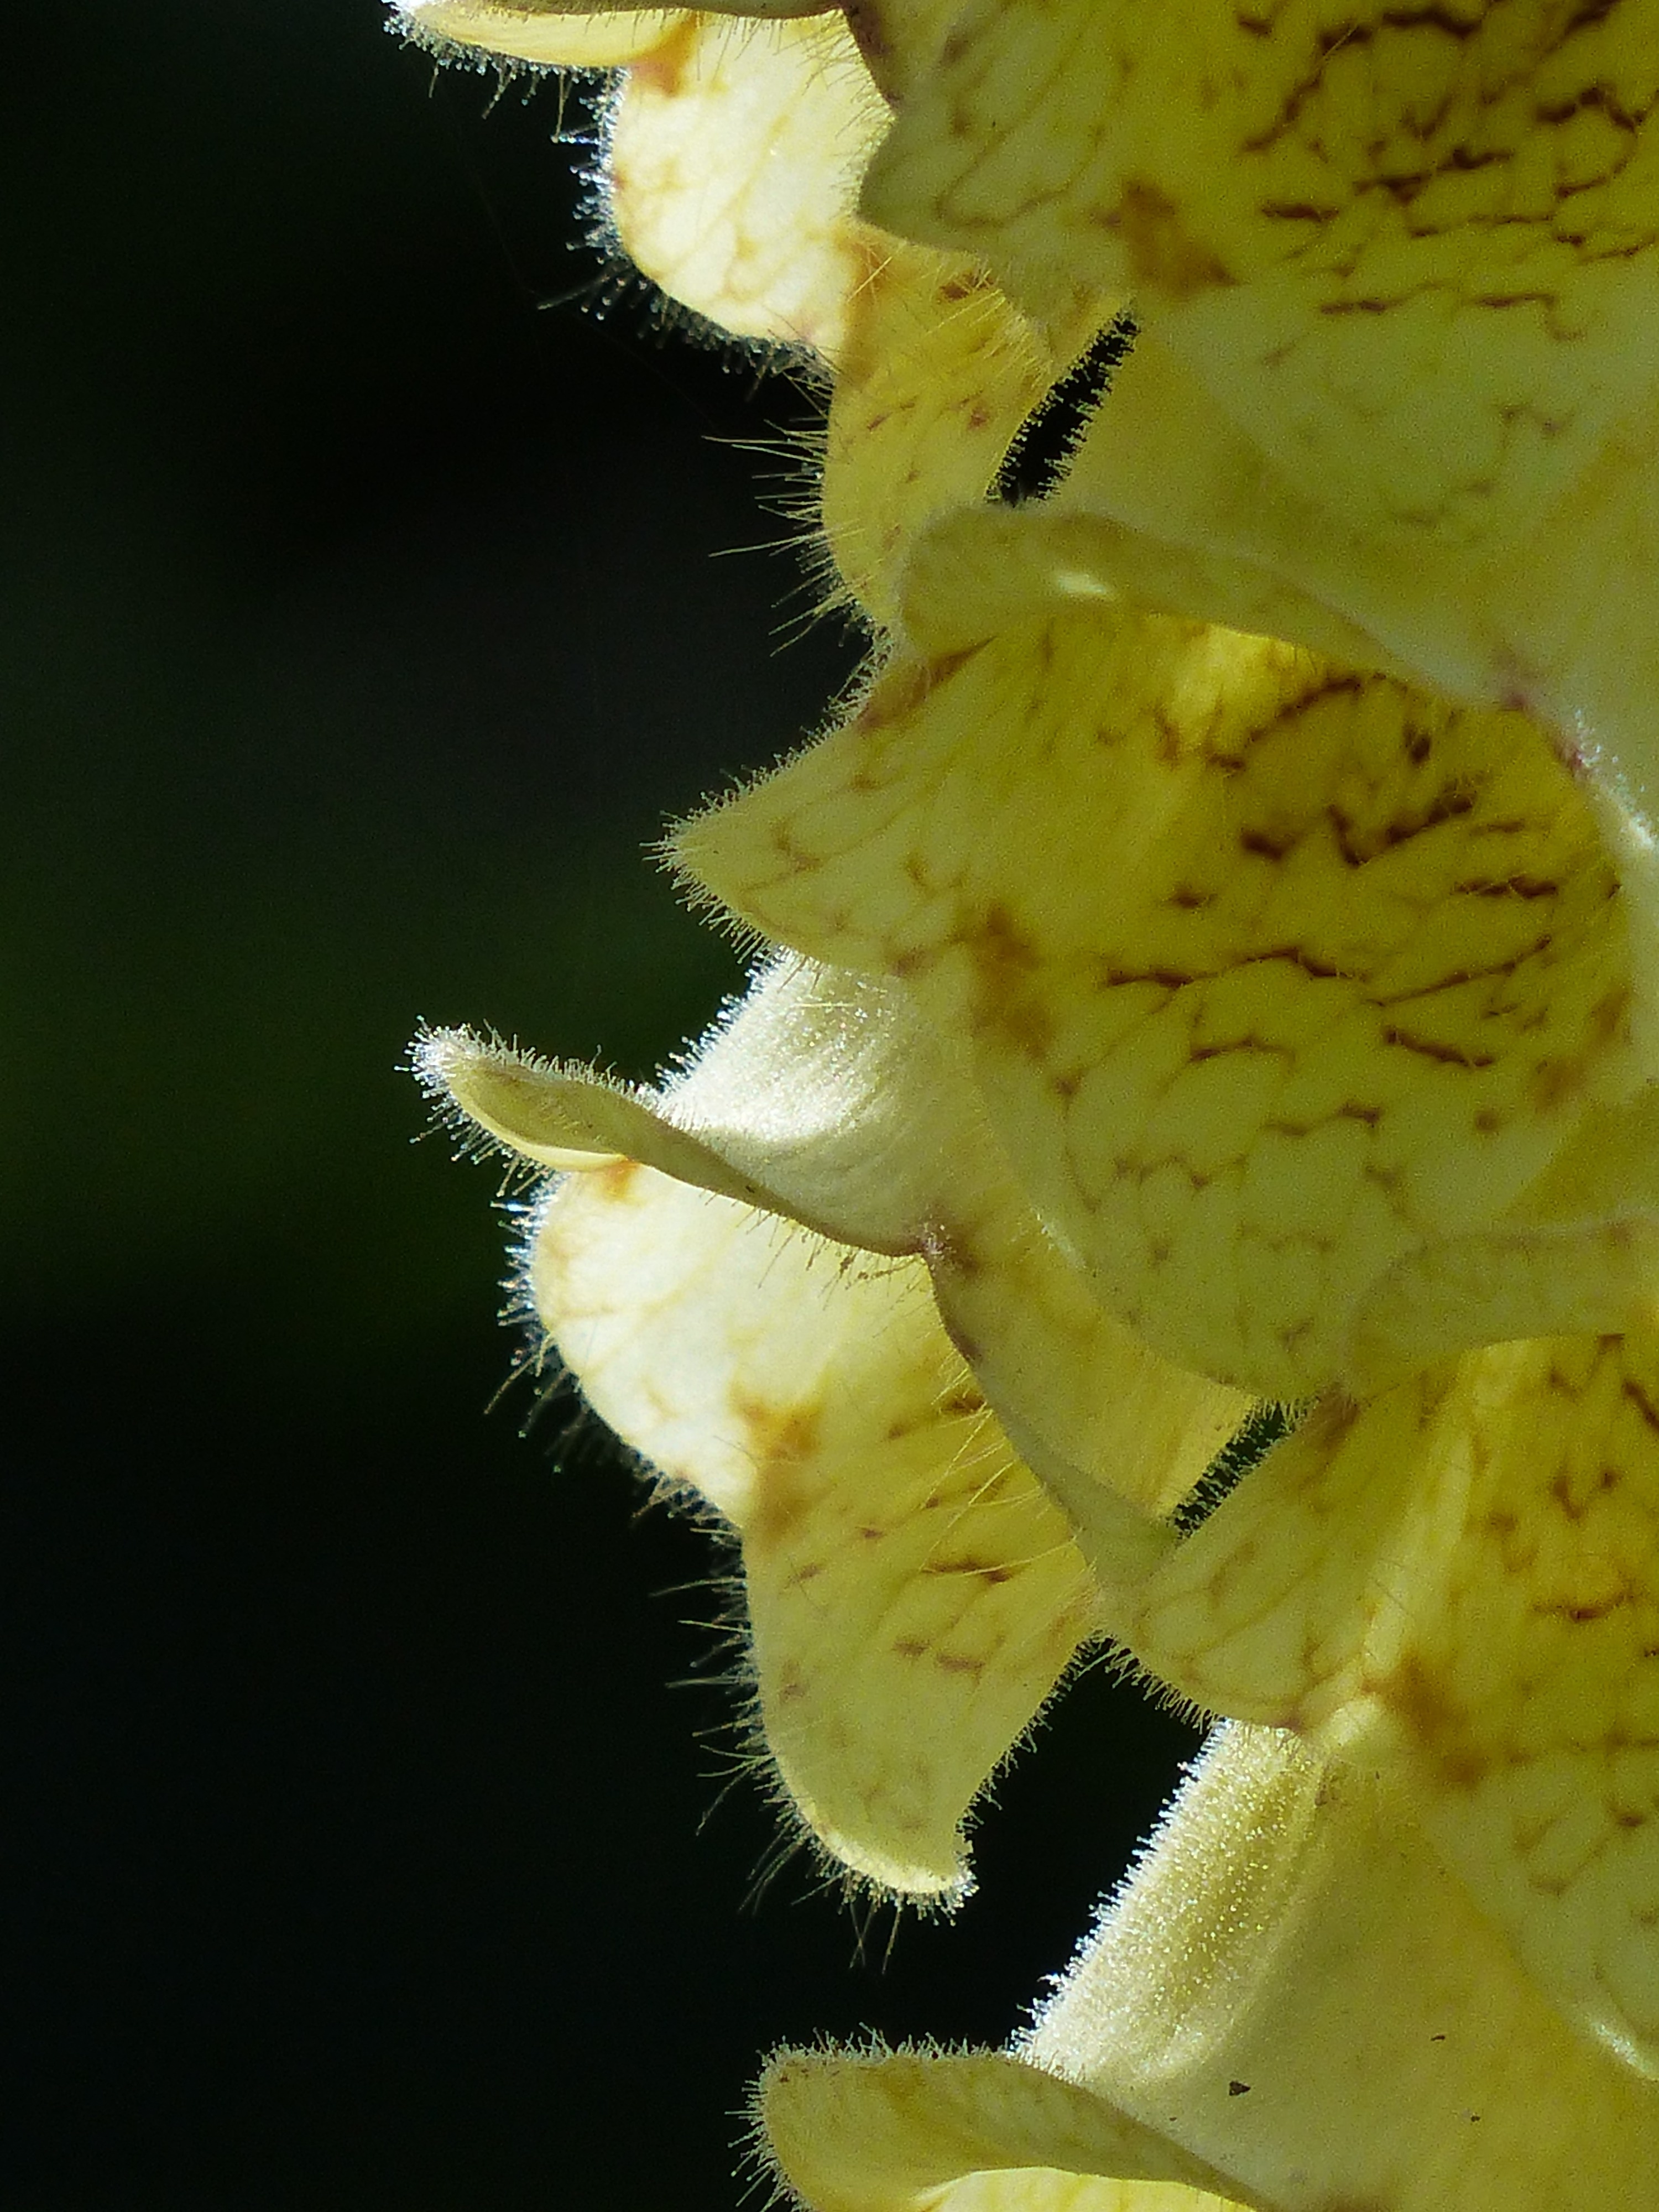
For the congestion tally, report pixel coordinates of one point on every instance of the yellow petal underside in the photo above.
(1296, 1987)
(1414, 254)
(913, 1598)
(1403, 262)
(976, 2133)
(938, 374)
(827, 1100)
(1271, 972)
(596, 38)
(735, 159)
(1461, 1579)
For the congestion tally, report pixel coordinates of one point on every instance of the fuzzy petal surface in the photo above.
(1268, 971)
(913, 1598)
(827, 1100)
(1458, 1581)
(735, 163)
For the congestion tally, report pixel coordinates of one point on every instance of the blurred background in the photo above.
(377, 579)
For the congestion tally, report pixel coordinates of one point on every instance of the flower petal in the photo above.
(1294, 1984)
(937, 379)
(1292, 2005)
(735, 159)
(913, 1598)
(1461, 1579)
(1410, 257)
(596, 39)
(1269, 971)
(827, 1100)
(938, 374)
(904, 2132)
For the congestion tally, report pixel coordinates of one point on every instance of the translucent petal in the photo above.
(903, 2132)
(913, 1598)
(937, 377)
(1295, 1986)
(827, 1100)
(1293, 2006)
(1461, 1579)
(1269, 972)
(735, 160)
(593, 38)
(1409, 259)
(938, 374)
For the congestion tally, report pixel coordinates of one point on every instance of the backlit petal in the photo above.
(827, 1100)
(735, 160)
(1269, 972)
(1461, 1580)
(913, 1596)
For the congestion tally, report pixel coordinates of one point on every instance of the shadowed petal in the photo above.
(1460, 1581)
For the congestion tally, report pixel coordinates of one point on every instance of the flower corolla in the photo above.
(1213, 965)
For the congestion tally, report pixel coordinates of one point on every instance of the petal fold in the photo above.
(1460, 1581)
(1409, 258)
(913, 1598)
(1268, 971)
(825, 1098)
(904, 2132)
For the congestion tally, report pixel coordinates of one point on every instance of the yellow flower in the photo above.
(1397, 267)
(913, 1598)
(1213, 962)
(1290, 2008)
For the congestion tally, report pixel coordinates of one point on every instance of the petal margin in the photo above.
(1268, 971)
(1458, 1583)
(825, 1099)
(913, 1598)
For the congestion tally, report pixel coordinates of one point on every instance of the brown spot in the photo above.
(1510, 888)
(899, 693)
(1449, 1055)
(1005, 961)
(947, 1248)
(1238, 2088)
(615, 1180)
(1438, 1727)
(1359, 842)
(664, 67)
(1644, 1405)
(1189, 900)
(1266, 844)
(780, 1440)
(1488, 1121)
(948, 1663)
(1163, 253)
(984, 1570)
(1114, 978)
(910, 1647)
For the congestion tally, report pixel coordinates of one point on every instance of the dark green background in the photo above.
(362, 623)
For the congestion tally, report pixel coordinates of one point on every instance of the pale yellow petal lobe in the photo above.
(913, 1596)
(1272, 972)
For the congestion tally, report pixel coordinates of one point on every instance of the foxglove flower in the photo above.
(1213, 963)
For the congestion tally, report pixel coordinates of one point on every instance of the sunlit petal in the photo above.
(1269, 971)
